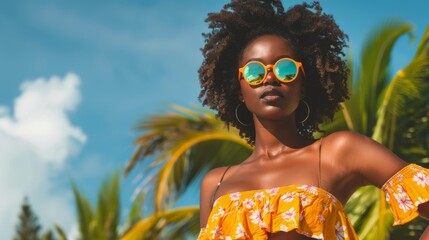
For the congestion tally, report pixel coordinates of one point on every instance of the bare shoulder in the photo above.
(359, 154)
(342, 145)
(351, 146)
(212, 178)
(338, 148)
(344, 140)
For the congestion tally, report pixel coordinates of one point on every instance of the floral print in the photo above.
(255, 217)
(216, 232)
(259, 196)
(310, 189)
(289, 215)
(253, 214)
(340, 232)
(405, 190)
(305, 200)
(288, 197)
(273, 191)
(235, 196)
(248, 203)
(239, 232)
(421, 179)
(404, 201)
(309, 210)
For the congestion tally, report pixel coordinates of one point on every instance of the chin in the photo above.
(275, 116)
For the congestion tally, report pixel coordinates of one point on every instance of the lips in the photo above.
(271, 96)
(271, 92)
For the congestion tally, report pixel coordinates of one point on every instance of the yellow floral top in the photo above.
(405, 191)
(309, 210)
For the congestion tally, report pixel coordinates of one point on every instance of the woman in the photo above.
(275, 76)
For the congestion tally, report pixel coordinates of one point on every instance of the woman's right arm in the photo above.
(207, 188)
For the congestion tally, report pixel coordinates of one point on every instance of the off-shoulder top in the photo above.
(309, 210)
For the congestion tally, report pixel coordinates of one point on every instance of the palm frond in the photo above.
(102, 221)
(135, 213)
(180, 143)
(108, 207)
(84, 212)
(61, 233)
(409, 84)
(152, 227)
(373, 74)
(161, 131)
(161, 189)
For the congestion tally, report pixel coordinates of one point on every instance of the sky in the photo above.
(77, 76)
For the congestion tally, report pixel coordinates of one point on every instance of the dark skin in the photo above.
(282, 157)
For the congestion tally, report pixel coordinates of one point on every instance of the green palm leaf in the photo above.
(373, 74)
(100, 222)
(108, 208)
(186, 143)
(84, 213)
(135, 213)
(152, 227)
(376, 109)
(407, 84)
(62, 234)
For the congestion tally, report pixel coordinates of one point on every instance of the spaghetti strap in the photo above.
(218, 184)
(320, 164)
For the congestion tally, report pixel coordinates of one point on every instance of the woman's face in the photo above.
(271, 100)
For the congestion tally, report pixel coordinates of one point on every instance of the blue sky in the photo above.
(77, 76)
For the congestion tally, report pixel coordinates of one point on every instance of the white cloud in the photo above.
(4, 110)
(36, 138)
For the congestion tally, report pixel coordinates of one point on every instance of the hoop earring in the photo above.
(238, 119)
(308, 112)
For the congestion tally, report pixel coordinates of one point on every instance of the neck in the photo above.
(275, 137)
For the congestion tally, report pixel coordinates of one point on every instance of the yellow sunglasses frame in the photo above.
(272, 66)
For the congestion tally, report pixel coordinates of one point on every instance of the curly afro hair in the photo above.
(315, 36)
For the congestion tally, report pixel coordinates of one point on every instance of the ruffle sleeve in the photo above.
(405, 191)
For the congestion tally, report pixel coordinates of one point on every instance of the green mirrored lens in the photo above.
(254, 73)
(286, 70)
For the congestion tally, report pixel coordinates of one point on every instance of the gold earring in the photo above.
(238, 118)
(308, 111)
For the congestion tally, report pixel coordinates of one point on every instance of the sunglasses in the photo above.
(285, 69)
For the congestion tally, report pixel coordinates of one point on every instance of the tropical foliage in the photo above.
(390, 111)
(393, 110)
(186, 144)
(103, 221)
(178, 223)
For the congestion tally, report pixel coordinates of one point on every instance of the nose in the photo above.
(270, 78)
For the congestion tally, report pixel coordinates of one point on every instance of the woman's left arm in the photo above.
(424, 211)
(376, 165)
(425, 235)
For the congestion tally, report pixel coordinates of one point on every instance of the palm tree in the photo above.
(393, 111)
(186, 143)
(103, 221)
(178, 223)
(384, 109)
